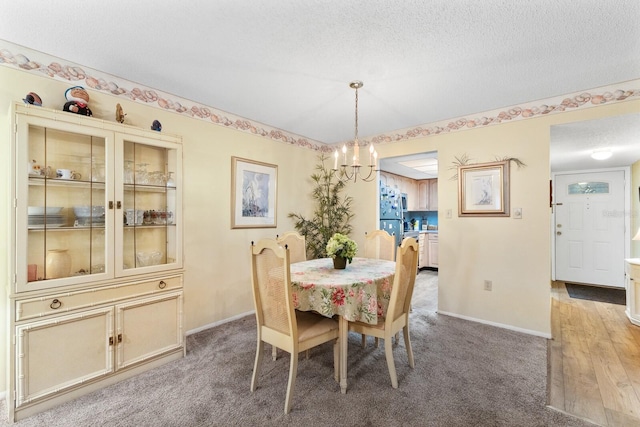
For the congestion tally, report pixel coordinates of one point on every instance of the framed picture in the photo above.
(483, 189)
(253, 194)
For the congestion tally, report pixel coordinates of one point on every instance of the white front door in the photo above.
(589, 228)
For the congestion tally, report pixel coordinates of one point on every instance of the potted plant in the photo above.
(342, 249)
(332, 212)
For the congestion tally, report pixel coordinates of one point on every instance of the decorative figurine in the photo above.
(119, 114)
(156, 125)
(33, 99)
(77, 100)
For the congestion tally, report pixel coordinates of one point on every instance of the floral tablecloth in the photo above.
(359, 292)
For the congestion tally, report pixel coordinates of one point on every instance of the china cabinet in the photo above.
(96, 292)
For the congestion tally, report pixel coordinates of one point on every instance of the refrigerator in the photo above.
(391, 214)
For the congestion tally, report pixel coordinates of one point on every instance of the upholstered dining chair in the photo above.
(378, 244)
(397, 316)
(277, 321)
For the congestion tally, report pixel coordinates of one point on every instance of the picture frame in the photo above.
(483, 189)
(254, 194)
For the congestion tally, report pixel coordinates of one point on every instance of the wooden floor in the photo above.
(594, 361)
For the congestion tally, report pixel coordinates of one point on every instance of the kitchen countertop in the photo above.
(415, 233)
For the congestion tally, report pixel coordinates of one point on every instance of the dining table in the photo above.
(360, 292)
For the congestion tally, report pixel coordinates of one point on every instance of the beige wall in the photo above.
(514, 254)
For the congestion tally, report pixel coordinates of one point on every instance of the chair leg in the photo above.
(336, 361)
(377, 341)
(293, 369)
(256, 366)
(397, 339)
(364, 341)
(274, 352)
(307, 354)
(388, 352)
(407, 344)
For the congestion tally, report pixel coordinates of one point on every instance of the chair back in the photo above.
(296, 243)
(272, 295)
(380, 245)
(403, 280)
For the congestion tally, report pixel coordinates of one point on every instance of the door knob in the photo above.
(558, 233)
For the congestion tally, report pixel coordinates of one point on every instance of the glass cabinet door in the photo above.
(62, 203)
(149, 237)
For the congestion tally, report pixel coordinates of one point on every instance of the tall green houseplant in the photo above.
(331, 215)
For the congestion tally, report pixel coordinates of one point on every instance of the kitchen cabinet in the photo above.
(410, 187)
(428, 195)
(433, 194)
(97, 280)
(632, 287)
(428, 250)
(423, 251)
(423, 195)
(432, 243)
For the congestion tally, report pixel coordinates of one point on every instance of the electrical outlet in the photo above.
(488, 285)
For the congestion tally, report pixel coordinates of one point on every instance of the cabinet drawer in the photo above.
(68, 301)
(632, 270)
(433, 236)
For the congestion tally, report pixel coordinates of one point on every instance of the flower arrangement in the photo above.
(340, 245)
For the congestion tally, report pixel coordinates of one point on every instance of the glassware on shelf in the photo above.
(170, 181)
(97, 170)
(156, 178)
(142, 176)
(128, 172)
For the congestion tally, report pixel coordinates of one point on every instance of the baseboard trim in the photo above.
(220, 322)
(3, 395)
(498, 325)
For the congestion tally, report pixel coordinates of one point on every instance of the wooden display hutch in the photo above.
(97, 287)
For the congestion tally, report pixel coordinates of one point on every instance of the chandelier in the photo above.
(352, 171)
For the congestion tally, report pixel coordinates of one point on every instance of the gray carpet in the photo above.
(466, 374)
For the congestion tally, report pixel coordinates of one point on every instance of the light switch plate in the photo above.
(449, 213)
(517, 213)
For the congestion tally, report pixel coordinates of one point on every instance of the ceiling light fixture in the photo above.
(601, 154)
(345, 174)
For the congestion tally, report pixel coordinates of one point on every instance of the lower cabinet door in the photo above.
(433, 253)
(148, 327)
(62, 352)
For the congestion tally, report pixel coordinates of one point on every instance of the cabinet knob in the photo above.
(559, 233)
(162, 284)
(55, 304)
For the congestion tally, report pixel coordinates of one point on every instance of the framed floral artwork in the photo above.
(254, 187)
(483, 189)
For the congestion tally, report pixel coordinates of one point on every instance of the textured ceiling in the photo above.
(288, 63)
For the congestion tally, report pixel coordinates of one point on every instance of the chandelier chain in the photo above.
(356, 135)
